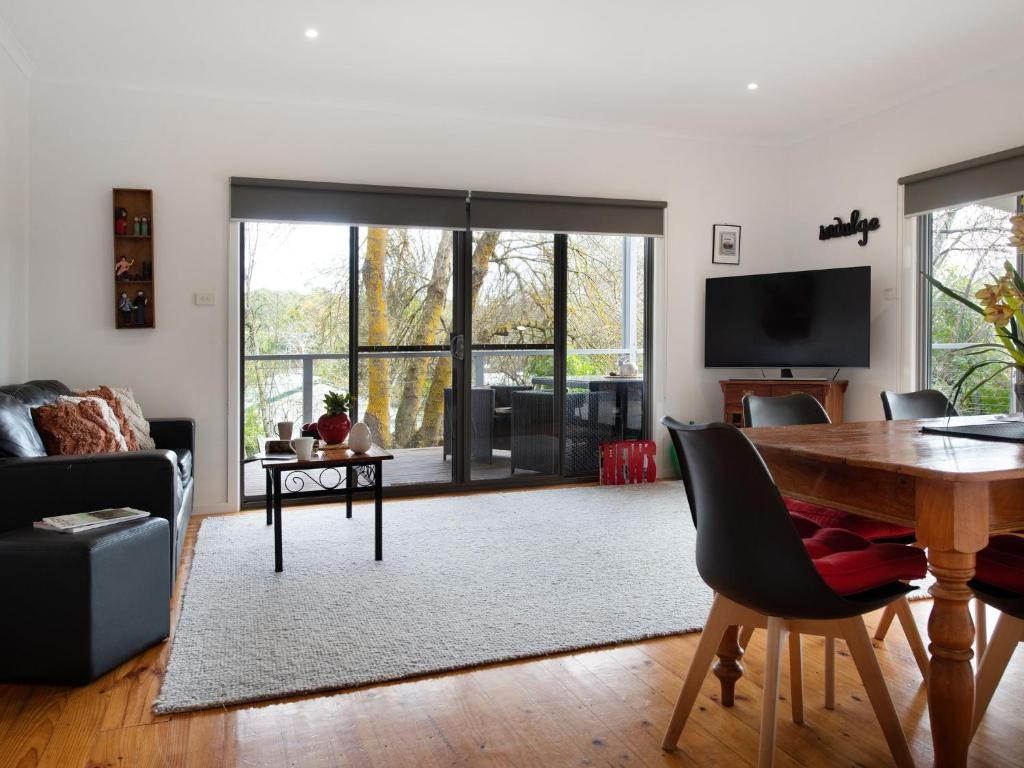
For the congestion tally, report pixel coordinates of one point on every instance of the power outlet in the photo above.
(204, 299)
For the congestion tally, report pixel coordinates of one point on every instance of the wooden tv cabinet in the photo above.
(829, 393)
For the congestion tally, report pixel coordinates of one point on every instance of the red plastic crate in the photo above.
(628, 461)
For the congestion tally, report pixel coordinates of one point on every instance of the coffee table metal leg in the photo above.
(278, 554)
(270, 497)
(378, 501)
(349, 476)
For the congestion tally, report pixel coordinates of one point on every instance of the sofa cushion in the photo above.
(18, 435)
(133, 412)
(78, 425)
(38, 392)
(184, 459)
(107, 395)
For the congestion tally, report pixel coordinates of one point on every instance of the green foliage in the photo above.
(969, 250)
(336, 403)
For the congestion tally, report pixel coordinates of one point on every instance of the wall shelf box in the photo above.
(133, 257)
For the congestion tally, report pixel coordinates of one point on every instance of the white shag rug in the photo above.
(464, 581)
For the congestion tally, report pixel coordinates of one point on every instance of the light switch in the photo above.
(205, 299)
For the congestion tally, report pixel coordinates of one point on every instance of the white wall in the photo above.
(185, 147)
(857, 167)
(14, 151)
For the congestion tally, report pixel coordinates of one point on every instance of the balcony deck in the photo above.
(410, 466)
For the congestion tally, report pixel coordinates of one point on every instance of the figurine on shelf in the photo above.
(147, 271)
(124, 304)
(122, 266)
(120, 221)
(140, 307)
(136, 227)
(145, 227)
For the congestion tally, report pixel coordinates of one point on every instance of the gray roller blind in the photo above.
(324, 202)
(1001, 173)
(550, 213)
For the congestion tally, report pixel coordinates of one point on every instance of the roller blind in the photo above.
(325, 202)
(1001, 173)
(552, 213)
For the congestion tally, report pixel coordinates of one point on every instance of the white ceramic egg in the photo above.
(359, 438)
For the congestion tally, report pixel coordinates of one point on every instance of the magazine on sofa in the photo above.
(87, 521)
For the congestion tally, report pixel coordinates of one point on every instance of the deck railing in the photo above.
(479, 357)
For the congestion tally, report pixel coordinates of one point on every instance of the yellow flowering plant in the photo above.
(1001, 305)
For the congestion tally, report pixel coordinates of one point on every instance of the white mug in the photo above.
(284, 429)
(303, 447)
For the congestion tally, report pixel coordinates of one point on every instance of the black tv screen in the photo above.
(813, 319)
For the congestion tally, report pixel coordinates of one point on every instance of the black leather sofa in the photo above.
(34, 485)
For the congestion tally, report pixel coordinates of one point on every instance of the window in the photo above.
(964, 247)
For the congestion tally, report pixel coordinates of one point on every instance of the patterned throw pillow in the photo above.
(78, 425)
(133, 412)
(107, 395)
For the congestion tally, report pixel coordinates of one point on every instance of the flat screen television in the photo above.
(818, 318)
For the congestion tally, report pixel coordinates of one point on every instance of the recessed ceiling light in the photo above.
(312, 34)
(751, 86)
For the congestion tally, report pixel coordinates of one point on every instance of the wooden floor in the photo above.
(605, 707)
(410, 465)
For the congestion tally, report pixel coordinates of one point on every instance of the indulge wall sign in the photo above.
(846, 228)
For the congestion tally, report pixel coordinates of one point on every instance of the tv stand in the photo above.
(830, 393)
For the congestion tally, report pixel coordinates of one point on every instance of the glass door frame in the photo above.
(461, 349)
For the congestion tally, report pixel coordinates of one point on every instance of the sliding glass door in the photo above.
(514, 425)
(501, 355)
(404, 373)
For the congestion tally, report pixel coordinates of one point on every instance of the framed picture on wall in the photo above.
(725, 244)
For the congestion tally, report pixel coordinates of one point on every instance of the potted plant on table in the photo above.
(335, 424)
(1001, 305)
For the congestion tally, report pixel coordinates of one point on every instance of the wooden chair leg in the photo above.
(718, 621)
(796, 677)
(906, 617)
(1008, 633)
(885, 622)
(745, 634)
(856, 635)
(769, 703)
(980, 628)
(830, 672)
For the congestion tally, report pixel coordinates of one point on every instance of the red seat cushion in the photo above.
(826, 517)
(1001, 563)
(850, 563)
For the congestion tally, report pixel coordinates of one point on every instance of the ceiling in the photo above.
(674, 66)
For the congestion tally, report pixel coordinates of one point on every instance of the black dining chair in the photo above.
(999, 582)
(800, 408)
(764, 575)
(923, 404)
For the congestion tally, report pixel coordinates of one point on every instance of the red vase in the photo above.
(334, 429)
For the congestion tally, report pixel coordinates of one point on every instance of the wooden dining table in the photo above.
(954, 491)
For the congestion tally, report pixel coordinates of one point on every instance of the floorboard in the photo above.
(604, 707)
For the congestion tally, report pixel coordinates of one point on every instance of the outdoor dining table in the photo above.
(620, 385)
(954, 491)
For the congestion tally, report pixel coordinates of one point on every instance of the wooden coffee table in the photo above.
(323, 474)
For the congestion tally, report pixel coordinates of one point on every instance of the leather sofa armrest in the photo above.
(34, 488)
(174, 433)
